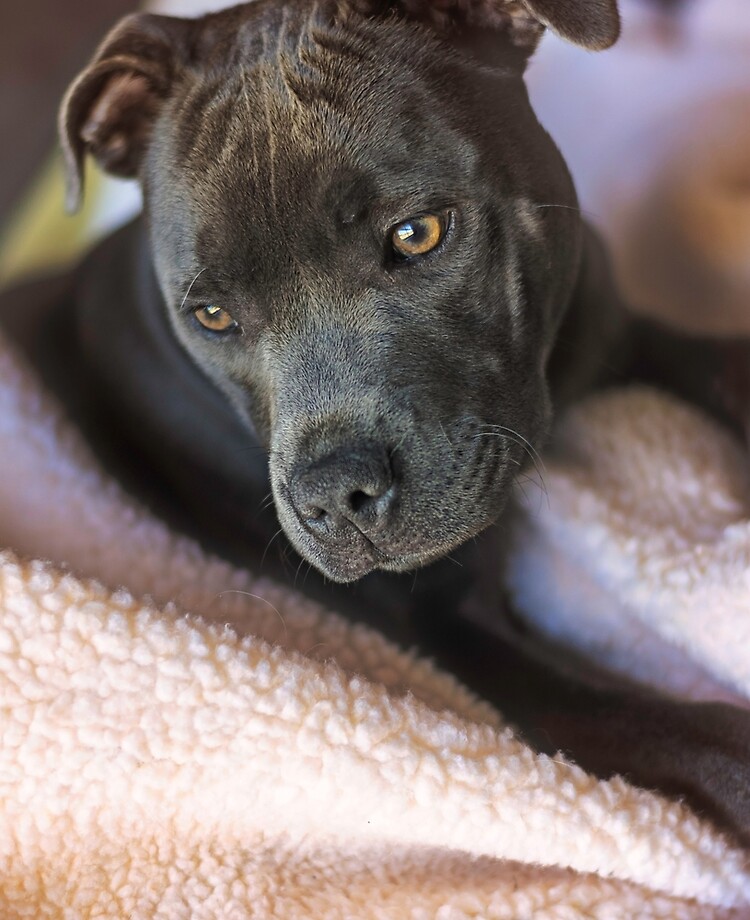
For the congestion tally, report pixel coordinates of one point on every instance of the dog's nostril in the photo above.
(359, 500)
(351, 485)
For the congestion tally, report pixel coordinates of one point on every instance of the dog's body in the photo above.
(262, 330)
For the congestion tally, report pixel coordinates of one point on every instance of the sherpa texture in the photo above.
(639, 555)
(179, 739)
(226, 749)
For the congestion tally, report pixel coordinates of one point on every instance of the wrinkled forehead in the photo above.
(311, 118)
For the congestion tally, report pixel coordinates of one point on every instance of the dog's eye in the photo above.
(215, 318)
(418, 235)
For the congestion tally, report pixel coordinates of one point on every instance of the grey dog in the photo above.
(362, 282)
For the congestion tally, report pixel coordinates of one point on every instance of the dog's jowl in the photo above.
(361, 283)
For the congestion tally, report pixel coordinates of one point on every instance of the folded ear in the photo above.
(109, 109)
(593, 24)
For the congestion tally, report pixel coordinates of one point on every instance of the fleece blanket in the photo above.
(180, 739)
(641, 559)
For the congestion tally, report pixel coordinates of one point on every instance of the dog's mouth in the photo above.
(356, 554)
(358, 511)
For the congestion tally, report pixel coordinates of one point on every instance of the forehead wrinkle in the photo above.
(306, 60)
(289, 138)
(245, 93)
(270, 144)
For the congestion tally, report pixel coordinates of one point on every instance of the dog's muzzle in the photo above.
(350, 503)
(338, 509)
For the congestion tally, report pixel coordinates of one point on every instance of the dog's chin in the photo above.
(360, 556)
(342, 565)
(344, 570)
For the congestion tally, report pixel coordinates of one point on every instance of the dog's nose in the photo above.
(352, 484)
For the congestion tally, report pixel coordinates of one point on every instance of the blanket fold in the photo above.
(645, 546)
(182, 739)
(130, 727)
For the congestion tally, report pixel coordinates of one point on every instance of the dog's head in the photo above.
(363, 237)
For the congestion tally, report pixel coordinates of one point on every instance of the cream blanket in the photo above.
(641, 557)
(200, 743)
(183, 740)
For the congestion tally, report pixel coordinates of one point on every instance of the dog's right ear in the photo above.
(109, 109)
(592, 24)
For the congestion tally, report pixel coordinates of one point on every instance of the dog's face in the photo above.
(365, 240)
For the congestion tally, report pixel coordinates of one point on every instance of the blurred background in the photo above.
(43, 43)
(656, 131)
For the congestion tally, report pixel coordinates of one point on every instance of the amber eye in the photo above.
(215, 318)
(418, 235)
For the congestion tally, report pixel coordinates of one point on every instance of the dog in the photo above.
(360, 287)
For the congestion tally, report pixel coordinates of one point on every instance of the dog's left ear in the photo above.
(109, 109)
(593, 24)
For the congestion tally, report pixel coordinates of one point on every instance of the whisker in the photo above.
(539, 484)
(296, 574)
(268, 546)
(528, 448)
(568, 207)
(286, 549)
(397, 447)
(190, 288)
(307, 572)
(257, 597)
(448, 440)
(523, 491)
(502, 431)
(517, 434)
(266, 502)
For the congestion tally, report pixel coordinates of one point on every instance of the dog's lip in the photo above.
(370, 556)
(429, 553)
(382, 558)
(346, 571)
(376, 558)
(407, 562)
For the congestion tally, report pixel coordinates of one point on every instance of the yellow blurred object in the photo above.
(40, 236)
